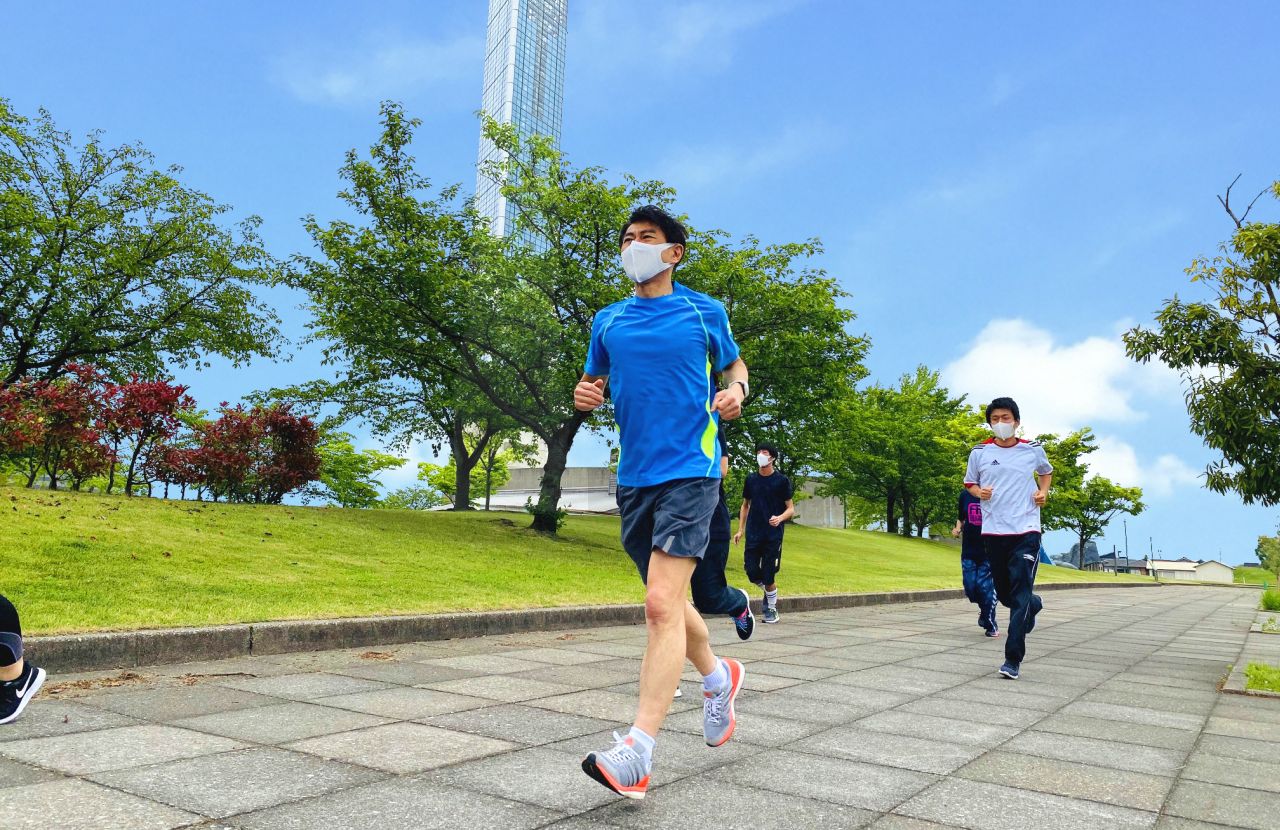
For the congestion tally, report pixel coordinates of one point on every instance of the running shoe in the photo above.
(16, 694)
(620, 768)
(771, 615)
(1009, 670)
(745, 622)
(718, 716)
(993, 632)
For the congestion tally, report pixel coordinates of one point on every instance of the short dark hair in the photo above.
(668, 224)
(1003, 403)
(769, 448)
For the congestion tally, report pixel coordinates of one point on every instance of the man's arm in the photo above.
(742, 519)
(1042, 495)
(728, 401)
(588, 395)
(785, 515)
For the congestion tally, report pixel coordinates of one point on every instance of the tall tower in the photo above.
(523, 82)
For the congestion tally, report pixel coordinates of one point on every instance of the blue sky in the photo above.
(1003, 187)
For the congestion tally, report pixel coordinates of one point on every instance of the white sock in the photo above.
(771, 599)
(642, 744)
(718, 680)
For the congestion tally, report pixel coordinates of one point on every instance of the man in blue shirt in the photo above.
(659, 351)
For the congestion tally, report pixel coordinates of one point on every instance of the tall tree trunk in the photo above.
(111, 468)
(461, 465)
(890, 512)
(546, 511)
(1080, 556)
(906, 514)
(133, 463)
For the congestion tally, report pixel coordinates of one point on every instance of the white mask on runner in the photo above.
(1004, 430)
(643, 261)
(764, 459)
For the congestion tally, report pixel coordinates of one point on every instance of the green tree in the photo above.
(1088, 509)
(1228, 352)
(1268, 551)
(897, 447)
(106, 260)
(349, 477)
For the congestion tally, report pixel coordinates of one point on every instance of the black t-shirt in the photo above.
(969, 512)
(768, 496)
(720, 519)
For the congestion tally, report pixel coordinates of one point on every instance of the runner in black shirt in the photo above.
(766, 506)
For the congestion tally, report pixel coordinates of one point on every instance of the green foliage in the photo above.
(1268, 551)
(348, 477)
(1271, 599)
(106, 260)
(1261, 677)
(1088, 510)
(1228, 352)
(413, 497)
(900, 448)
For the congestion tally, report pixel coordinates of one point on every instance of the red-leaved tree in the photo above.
(140, 417)
(71, 409)
(257, 455)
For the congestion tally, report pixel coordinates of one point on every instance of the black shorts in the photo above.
(763, 560)
(674, 517)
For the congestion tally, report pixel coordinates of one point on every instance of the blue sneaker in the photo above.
(745, 622)
(1009, 670)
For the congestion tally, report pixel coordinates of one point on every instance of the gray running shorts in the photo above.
(674, 517)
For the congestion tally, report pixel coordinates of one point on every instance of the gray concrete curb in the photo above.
(130, 649)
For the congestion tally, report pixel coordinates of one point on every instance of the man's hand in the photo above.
(984, 493)
(728, 402)
(1040, 497)
(955, 531)
(774, 521)
(588, 395)
(737, 537)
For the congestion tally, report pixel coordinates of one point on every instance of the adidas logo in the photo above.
(995, 463)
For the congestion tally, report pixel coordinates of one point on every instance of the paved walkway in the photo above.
(887, 717)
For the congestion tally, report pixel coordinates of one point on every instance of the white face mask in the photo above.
(643, 261)
(1003, 430)
(764, 460)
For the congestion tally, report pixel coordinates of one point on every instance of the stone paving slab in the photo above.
(879, 716)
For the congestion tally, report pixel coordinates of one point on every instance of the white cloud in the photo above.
(385, 66)
(1060, 387)
(1117, 460)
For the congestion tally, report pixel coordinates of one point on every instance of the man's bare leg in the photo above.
(666, 613)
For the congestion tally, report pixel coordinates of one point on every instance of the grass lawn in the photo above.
(76, 562)
(1254, 576)
(1262, 677)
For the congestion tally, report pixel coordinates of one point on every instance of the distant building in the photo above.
(1118, 563)
(1198, 570)
(523, 84)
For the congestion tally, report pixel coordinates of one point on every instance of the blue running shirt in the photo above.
(659, 354)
